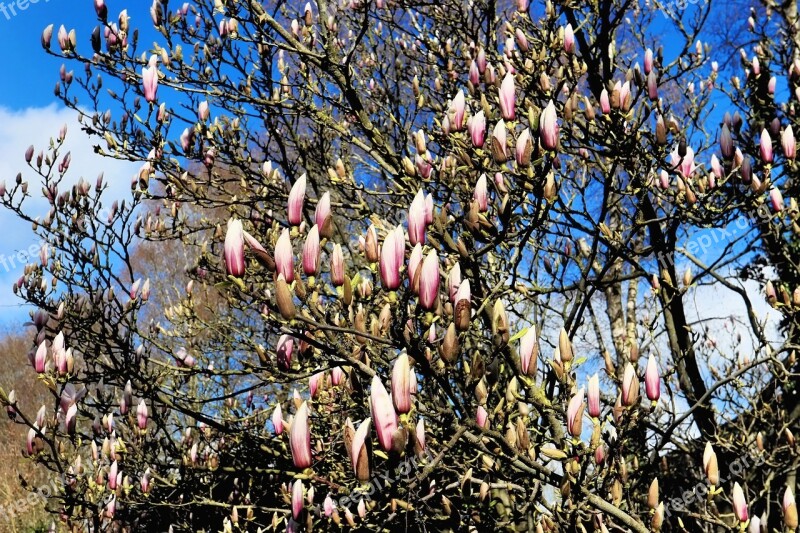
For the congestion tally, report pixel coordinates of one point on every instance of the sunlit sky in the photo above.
(30, 114)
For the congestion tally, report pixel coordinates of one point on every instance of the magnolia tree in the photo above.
(415, 266)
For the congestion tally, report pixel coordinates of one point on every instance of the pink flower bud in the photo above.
(127, 398)
(500, 142)
(481, 194)
(63, 39)
(625, 96)
(297, 499)
(482, 417)
(322, 215)
(490, 76)
(594, 396)
(424, 166)
(726, 142)
(523, 149)
(391, 260)
(296, 198)
(765, 146)
(522, 41)
(40, 359)
(477, 129)
(111, 507)
(739, 503)
(574, 413)
(337, 265)
(311, 251)
(277, 420)
(605, 104)
(663, 179)
(771, 85)
(789, 510)
(71, 418)
(141, 415)
(474, 73)
(769, 290)
(630, 386)
(187, 139)
(716, 167)
(569, 39)
(29, 441)
(429, 281)
(685, 165)
(41, 418)
(508, 97)
(371, 249)
(529, 352)
(458, 107)
(710, 466)
(328, 506)
(776, 199)
(284, 352)
(788, 143)
(252, 243)
(337, 375)
(146, 481)
(429, 208)
(359, 444)
(481, 60)
(284, 257)
(382, 413)
(420, 435)
(47, 37)
(648, 61)
(413, 265)
(652, 86)
(112, 475)
(63, 360)
(146, 290)
(314, 382)
(416, 219)
(203, 111)
(150, 79)
(401, 394)
(652, 380)
(300, 438)
(234, 248)
(548, 127)
(453, 281)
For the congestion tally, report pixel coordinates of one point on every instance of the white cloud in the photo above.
(37, 126)
(717, 304)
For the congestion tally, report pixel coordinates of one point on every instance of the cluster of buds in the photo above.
(58, 357)
(389, 417)
(780, 297)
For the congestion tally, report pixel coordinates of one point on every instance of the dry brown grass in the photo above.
(16, 373)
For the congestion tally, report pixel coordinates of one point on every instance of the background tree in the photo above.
(486, 210)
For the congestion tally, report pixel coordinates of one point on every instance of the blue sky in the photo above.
(35, 73)
(31, 114)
